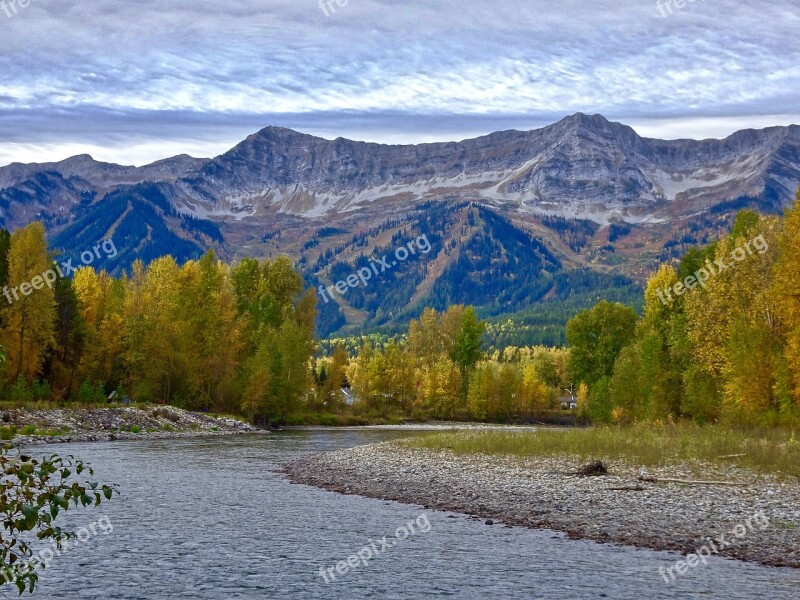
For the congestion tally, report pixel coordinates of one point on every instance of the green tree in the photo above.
(596, 337)
(469, 340)
(334, 379)
(209, 331)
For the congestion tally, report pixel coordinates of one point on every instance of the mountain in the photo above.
(581, 166)
(515, 218)
(52, 191)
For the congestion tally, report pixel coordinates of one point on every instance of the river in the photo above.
(213, 518)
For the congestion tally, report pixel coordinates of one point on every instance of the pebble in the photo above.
(110, 424)
(540, 493)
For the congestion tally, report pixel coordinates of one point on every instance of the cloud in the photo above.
(112, 75)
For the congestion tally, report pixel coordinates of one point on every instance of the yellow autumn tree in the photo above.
(442, 389)
(535, 395)
(30, 317)
(101, 302)
(755, 337)
(210, 331)
(786, 291)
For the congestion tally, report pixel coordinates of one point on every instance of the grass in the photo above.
(773, 451)
(34, 405)
(324, 419)
(53, 432)
(9, 431)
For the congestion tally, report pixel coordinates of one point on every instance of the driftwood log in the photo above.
(688, 481)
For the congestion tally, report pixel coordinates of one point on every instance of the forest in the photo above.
(240, 339)
(726, 351)
(201, 335)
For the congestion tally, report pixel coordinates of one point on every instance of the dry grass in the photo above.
(772, 451)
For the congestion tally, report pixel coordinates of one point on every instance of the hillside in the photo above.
(583, 208)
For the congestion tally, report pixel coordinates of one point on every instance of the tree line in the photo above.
(201, 335)
(724, 351)
(206, 335)
(440, 370)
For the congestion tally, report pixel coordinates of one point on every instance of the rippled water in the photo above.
(210, 518)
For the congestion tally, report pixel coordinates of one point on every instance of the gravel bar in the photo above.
(112, 424)
(542, 493)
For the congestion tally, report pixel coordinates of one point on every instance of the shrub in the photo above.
(143, 394)
(53, 432)
(7, 433)
(34, 495)
(41, 390)
(91, 394)
(21, 391)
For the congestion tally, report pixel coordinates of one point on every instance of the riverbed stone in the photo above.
(544, 493)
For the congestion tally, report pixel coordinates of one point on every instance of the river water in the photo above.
(212, 518)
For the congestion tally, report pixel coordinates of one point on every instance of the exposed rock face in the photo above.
(56, 191)
(100, 174)
(581, 166)
(326, 203)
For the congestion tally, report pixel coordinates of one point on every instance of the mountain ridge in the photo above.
(582, 166)
(600, 200)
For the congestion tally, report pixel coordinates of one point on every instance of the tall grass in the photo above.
(766, 451)
(35, 405)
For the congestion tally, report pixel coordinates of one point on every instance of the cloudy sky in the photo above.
(135, 81)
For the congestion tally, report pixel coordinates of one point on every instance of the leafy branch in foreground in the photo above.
(32, 494)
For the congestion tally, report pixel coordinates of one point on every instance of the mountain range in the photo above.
(516, 218)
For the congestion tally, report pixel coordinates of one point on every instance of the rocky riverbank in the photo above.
(118, 423)
(545, 493)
